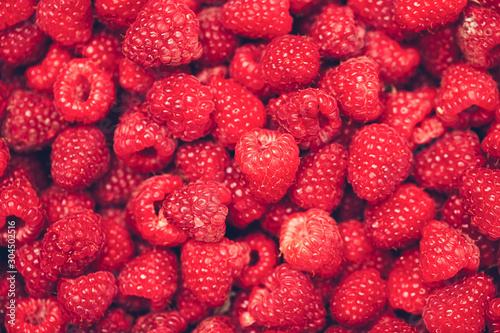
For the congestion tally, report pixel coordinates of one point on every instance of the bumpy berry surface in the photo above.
(118, 14)
(21, 44)
(59, 203)
(215, 324)
(378, 15)
(4, 157)
(118, 246)
(356, 243)
(263, 258)
(104, 49)
(168, 321)
(15, 11)
(134, 77)
(438, 50)
(43, 315)
(245, 68)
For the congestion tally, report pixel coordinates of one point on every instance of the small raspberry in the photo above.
(263, 259)
(117, 248)
(276, 214)
(41, 315)
(28, 263)
(215, 324)
(15, 11)
(357, 245)
(204, 73)
(104, 49)
(133, 77)
(21, 44)
(439, 50)
(59, 203)
(168, 322)
(118, 14)
(245, 68)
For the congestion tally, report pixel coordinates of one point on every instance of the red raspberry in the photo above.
(269, 161)
(200, 209)
(310, 241)
(493, 315)
(21, 43)
(337, 329)
(356, 243)
(28, 167)
(439, 166)
(263, 259)
(31, 121)
(286, 299)
(202, 160)
(134, 77)
(104, 49)
(422, 16)
(429, 129)
(189, 306)
(491, 144)
(215, 324)
(399, 219)
(245, 68)
(204, 73)
(396, 64)
(83, 93)
(344, 41)
(67, 22)
(117, 249)
(209, 269)
(359, 297)
(257, 18)
(439, 50)
(151, 275)
(118, 14)
(168, 322)
(41, 77)
(71, 244)
(391, 326)
(460, 306)
(164, 32)
(218, 43)
(42, 315)
(183, 104)
(290, 62)
(59, 203)
(311, 116)
(444, 251)
(85, 299)
(79, 156)
(143, 144)
(350, 207)
(276, 214)
(462, 87)
(356, 86)
(230, 125)
(379, 160)
(15, 11)
(115, 320)
(4, 157)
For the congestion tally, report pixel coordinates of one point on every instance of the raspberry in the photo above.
(460, 306)
(290, 62)
(205, 73)
(43, 315)
(430, 128)
(68, 22)
(493, 315)
(209, 269)
(71, 244)
(15, 11)
(359, 297)
(85, 299)
(257, 18)
(133, 77)
(118, 14)
(4, 157)
(310, 241)
(168, 321)
(379, 160)
(31, 121)
(183, 104)
(356, 85)
(151, 41)
(356, 243)
(21, 44)
(151, 275)
(104, 49)
(263, 259)
(59, 203)
(491, 144)
(321, 179)
(215, 324)
(117, 249)
(115, 320)
(82, 92)
(269, 161)
(245, 68)
(438, 50)
(276, 214)
(286, 299)
(28, 167)
(189, 306)
(396, 325)
(28, 261)
(230, 125)
(143, 144)
(345, 40)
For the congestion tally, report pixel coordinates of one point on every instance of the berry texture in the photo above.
(438, 50)
(4, 157)
(15, 11)
(266, 252)
(118, 246)
(59, 203)
(133, 77)
(168, 321)
(357, 245)
(215, 324)
(245, 68)
(43, 315)
(28, 264)
(21, 44)
(118, 14)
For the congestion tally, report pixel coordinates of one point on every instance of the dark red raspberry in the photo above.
(134, 77)
(263, 259)
(276, 214)
(68, 22)
(183, 104)
(118, 246)
(29, 167)
(15, 11)
(143, 144)
(151, 41)
(21, 43)
(168, 322)
(257, 18)
(104, 49)
(320, 179)
(71, 244)
(356, 243)
(59, 203)
(118, 14)
(42, 315)
(189, 306)
(151, 275)
(215, 324)
(83, 92)
(209, 269)
(115, 320)
(290, 62)
(85, 299)
(4, 157)
(381, 260)
(438, 50)
(245, 68)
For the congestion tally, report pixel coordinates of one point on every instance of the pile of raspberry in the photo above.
(247, 166)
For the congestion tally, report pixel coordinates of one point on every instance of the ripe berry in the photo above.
(134, 77)
(168, 321)
(43, 315)
(439, 50)
(246, 69)
(22, 43)
(118, 246)
(118, 14)
(59, 203)
(15, 11)
(215, 324)
(104, 49)
(28, 261)
(4, 157)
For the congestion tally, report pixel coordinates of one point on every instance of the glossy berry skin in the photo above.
(438, 50)
(290, 62)
(118, 247)
(215, 324)
(28, 261)
(118, 14)
(397, 325)
(379, 160)
(357, 245)
(115, 320)
(104, 49)
(21, 44)
(133, 77)
(15, 11)
(245, 68)
(311, 242)
(168, 321)
(43, 315)
(276, 214)
(269, 161)
(460, 307)
(493, 315)
(59, 203)
(266, 251)
(149, 41)
(190, 308)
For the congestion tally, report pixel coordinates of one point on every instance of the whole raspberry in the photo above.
(15, 11)
(290, 62)
(439, 50)
(59, 203)
(85, 299)
(257, 18)
(230, 125)
(79, 156)
(263, 259)
(104, 49)
(168, 322)
(117, 249)
(143, 144)
(183, 104)
(151, 275)
(68, 22)
(83, 92)
(21, 44)
(42, 315)
(320, 179)
(27, 263)
(209, 269)
(118, 14)
(356, 85)
(115, 320)
(133, 77)
(310, 241)
(379, 160)
(245, 68)
(4, 157)
(286, 298)
(71, 244)
(359, 297)
(31, 121)
(165, 32)
(345, 40)
(460, 306)
(215, 324)
(269, 161)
